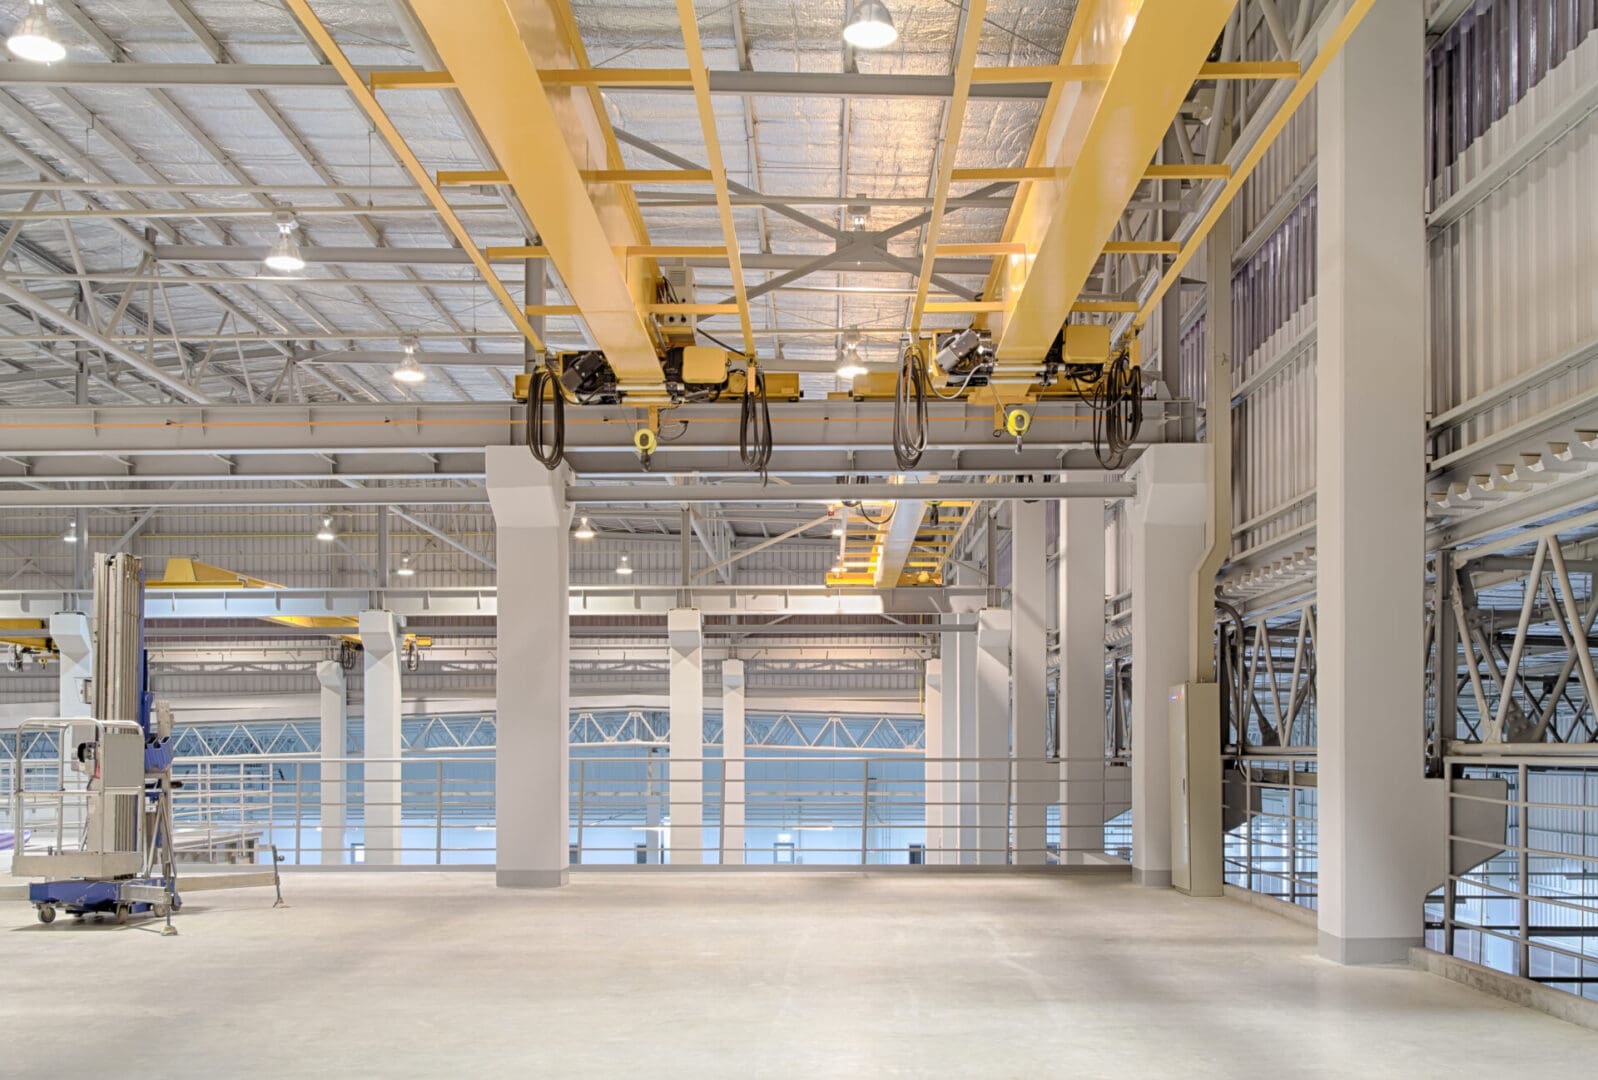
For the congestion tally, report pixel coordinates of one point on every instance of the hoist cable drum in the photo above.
(1117, 410)
(548, 444)
(910, 410)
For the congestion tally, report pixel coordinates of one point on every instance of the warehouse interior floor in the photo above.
(736, 975)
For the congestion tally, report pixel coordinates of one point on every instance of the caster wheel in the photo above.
(77, 916)
(46, 914)
(122, 914)
(158, 910)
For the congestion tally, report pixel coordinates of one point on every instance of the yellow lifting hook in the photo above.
(1016, 422)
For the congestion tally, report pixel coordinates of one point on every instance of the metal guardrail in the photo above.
(1521, 895)
(1269, 806)
(808, 809)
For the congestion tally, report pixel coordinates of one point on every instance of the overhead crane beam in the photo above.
(1104, 134)
(495, 60)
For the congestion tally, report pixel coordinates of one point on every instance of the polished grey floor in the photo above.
(736, 975)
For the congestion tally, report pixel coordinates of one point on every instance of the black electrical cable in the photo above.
(550, 450)
(754, 424)
(1117, 410)
(910, 411)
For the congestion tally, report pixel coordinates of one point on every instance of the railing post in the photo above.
(865, 808)
(582, 792)
(438, 828)
(299, 799)
(1450, 886)
(1523, 867)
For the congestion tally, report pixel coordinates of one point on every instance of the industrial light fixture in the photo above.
(837, 568)
(858, 213)
(71, 535)
(849, 365)
(405, 569)
(870, 27)
(326, 533)
(837, 530)
(409, 371)
(624, 567)
(32, 39)
(584, 531)
(284, 255)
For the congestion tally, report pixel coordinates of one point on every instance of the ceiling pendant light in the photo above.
(284, 257)
(870, 27)
(409, 371)
(71, 535)
(326, 533)
(405, 569)
(849, 365)
(584, 531)
(32, 39)
(624, 567)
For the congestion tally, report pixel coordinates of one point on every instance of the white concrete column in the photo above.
(1079, 706)
(1167, 516)
(960, 713)
(335, 742)
(992, 737)
(1036, 783)
(533, 678)
(732, 762)
(381, 642)
(686, 789)
(75, 643)
(1380, 842)
(935, 745)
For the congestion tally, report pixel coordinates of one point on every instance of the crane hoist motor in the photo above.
(1075, 361)
(692, 374)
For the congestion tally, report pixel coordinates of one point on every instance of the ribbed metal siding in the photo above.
(1513, 280)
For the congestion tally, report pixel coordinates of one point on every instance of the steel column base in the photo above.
(530, 879)
(1366, 950)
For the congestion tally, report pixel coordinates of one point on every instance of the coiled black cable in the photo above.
(549, 449)
(910, 411)
(1117, 410)
(754, 424)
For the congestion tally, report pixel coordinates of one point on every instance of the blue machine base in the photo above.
(93, 897)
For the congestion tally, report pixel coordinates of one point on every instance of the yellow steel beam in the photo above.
(647, 176)
(1034, 172)
(965, 64)
(674, 251)
(1252, 69)
(1330, 47)
(470, 177)
(1100, 307)
(493, 57)
(718, 169)
(319, 36)
(11, 633)
(692, 309)
(551, 310)
(633, 77)
(504, 254)
(995, 249)
(962, 307)
(1142, 247)
(1109, 133)
(409, 80)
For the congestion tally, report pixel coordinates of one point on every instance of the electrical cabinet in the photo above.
(1195, 719)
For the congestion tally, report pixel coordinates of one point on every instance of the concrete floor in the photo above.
(804, 975)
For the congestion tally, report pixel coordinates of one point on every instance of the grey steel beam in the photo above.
(145, 498)
(313, 76)
(247, 253)
(595, 494)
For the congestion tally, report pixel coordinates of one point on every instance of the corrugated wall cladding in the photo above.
(1490, 60)
(1273, 380)
(1513, 281)
(1284, 175)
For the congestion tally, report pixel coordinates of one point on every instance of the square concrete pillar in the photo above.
(1167, 516)
(1036, 782)
(382, 782)
(533, 677)
(732, 762)
(1079, 703)
(334, 713)
(686, 789)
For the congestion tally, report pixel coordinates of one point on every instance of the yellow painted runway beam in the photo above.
(1247, 69)
(504, 254)
(1330, 47)
(1034, 172)
(674, 251)
(718, 168)
(470, 177)
(1108, 131)
(994, 249)
(318, 35)
(647, 176)
(491, 57)
(633, 77)
(1142, 247)
(965, 64)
